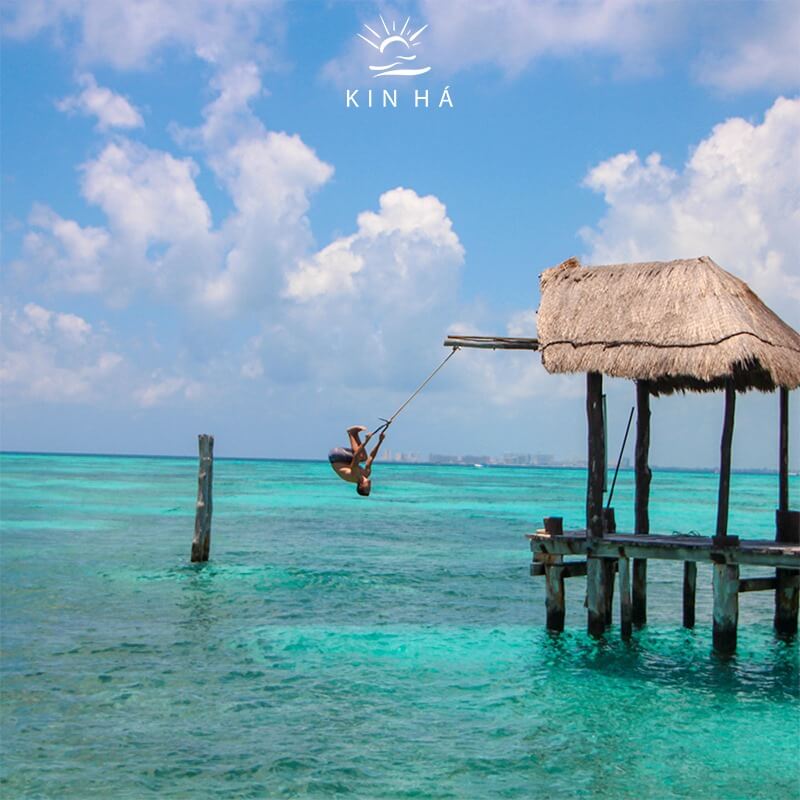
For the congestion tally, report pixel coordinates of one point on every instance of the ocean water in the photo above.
(384, 648)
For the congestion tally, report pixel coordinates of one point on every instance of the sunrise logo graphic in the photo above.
(396, 48)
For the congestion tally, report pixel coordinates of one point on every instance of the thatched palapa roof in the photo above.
(682, 325)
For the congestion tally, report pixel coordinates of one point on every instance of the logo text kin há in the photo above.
(394, 48)
(389, 98)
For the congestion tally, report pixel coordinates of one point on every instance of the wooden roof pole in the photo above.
(787, 524)
(642, 500)
(725, 576)
(725, 463)
(783, 456)
(597, 576)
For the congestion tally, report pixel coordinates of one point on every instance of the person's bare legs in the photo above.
(353, 432)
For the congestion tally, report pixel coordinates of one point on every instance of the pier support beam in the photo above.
(689, 592)
(726, 446)
(554, 597)
(787, 593)
(625, 608)
(726, 576)
(787, 529)
(783, 449)
(596, 595)
(202, 521)
(610, 526)
(643, 476)
(596, 570)
(726, 607)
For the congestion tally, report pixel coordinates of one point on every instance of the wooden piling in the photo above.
(596, 595)
(610, 579)
(643, 476)
(787, 529)
(625, 606)
(787, 592)
(609, 526)
(201, 543)
(596, 455)
(783, 450)
(726, 607)
(596, 570)
(554, 526)
(554, 578)
(726, 576)
(725, 465)
(554, 596)
(689, 592)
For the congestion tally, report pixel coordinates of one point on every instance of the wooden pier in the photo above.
(614, 552)
(670, 326)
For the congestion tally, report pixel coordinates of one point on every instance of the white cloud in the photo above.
(148, 195)
(270, 176)
(54, 356)
(128, 35)
(363, 313)
(159, 236)
(737, 199)
(413, 231)
(522, 324)
(162, 389)
(514, 33)
(371, 306)
(112, 110)
(71, 254)
(764, 52)
(508, 379)
(732, 45)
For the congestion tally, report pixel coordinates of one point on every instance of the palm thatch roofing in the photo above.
(681, 325)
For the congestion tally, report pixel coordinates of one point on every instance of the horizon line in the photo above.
(666, 468)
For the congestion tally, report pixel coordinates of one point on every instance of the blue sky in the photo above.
(199, 235)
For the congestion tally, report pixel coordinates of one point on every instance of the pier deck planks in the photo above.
(672, 547)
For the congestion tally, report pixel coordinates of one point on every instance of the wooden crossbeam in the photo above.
(671, 547)
(570, 569)
(491, 342)
(757, 584)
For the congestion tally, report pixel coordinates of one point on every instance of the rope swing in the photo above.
(388, 422)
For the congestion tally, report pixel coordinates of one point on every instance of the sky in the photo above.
(199, 234)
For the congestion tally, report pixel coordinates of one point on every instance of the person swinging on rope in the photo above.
(347, 461)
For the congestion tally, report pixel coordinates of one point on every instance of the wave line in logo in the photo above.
(396, 41)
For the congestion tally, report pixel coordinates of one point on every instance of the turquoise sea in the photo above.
(383, 648)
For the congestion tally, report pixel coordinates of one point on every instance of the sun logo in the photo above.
(397, 43)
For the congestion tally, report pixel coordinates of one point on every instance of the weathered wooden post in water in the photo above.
(787, 525)
(597, 574)
(726, 575)
(642, 500)
(202, 521)
(554, 579)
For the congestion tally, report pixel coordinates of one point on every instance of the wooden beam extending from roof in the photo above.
(491, 342)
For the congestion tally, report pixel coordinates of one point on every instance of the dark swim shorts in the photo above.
(340, 455)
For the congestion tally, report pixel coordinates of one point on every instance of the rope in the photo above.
(388, 422)
(619, 460)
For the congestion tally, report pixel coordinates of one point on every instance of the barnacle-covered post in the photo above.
(202, 521)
